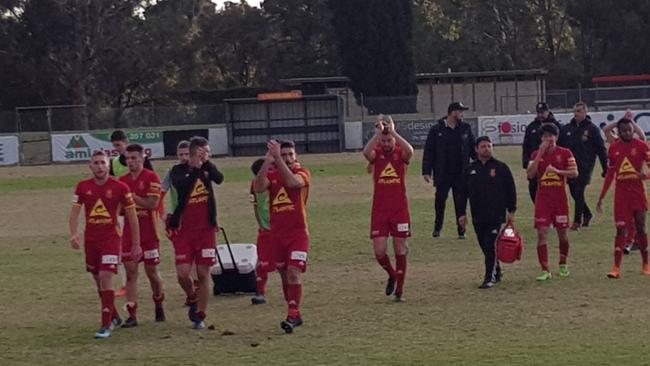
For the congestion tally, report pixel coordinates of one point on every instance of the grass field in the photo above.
(49, 310)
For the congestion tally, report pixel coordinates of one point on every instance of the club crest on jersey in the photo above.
(109, 193)
(141, 185)
(493, 173)
(389, 175)
(558, 158)
(633, 151)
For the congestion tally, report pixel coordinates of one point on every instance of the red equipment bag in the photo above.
(510, 245)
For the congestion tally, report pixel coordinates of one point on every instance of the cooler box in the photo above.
(235, 272)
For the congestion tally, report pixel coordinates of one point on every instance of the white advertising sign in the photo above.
(80, 146)
(9, 153)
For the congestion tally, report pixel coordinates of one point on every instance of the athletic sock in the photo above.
(294, 295)
(132, 308)
(400, 273)
(108, 307)
(261, 279)
(384, 262)
(643, 247)
(564, 251)
(619, 243)
(158, 300)
(542, 256)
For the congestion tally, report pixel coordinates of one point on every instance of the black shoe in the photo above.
(436, 233)
(116, 322)
(289, 324)
(586, 221)
(486, 285)
(160, 314)
(390, 286)
(498, 276)
(191, 311)
(399, 298)
(130, 323)
(627, 249)
(461, 234)
(258, 299)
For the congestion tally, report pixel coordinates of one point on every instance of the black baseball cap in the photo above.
(541, 107)
(456, 106)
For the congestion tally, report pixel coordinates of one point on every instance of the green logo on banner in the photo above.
(77, 142)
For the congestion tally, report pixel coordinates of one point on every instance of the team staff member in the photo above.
(627, 156)
(490, 187)
(102, 198)
(145, 187)
(447, 152)
(119, 166)
(193, 224)
(288, 186)
(533, 138)
(265, 262)
(552, 165)
(389, 153)
(585, 141)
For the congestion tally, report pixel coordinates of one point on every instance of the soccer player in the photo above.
(145, 187)
(288, 186)
(626, 159)
(390, 155)
(265, 263)
(193, 226)
(102, 198)
(118, 168)
(552, 165)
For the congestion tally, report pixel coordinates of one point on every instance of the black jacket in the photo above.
(433, 156)
(533, 138)
(491, 191)
(585, 141)
(183, 178)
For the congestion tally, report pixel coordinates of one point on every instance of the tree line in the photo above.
(123, 53)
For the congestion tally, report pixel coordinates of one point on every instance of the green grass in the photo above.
(49, 310)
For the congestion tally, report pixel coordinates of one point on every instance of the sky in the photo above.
(250, 2)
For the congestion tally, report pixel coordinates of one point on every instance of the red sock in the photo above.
(261, 279)
(108, 307)
(542, 256)
(564, 251)
(619, 243)
(294, 295)
(400, 263)
(132, 308)
(158, 300)
(642, 240)
(384, 262)
(201, 315)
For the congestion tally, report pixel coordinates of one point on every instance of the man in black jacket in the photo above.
(447, 152)
(193, 224)
(533, 138)
(585, 141)
(490, 187)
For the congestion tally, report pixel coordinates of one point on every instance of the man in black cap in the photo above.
(585, 141)
(490, 187)
(447, 152)
(533, 138)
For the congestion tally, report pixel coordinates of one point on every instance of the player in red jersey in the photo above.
(389, 153)
(193, 226)
(288, 186)
(103, 197)
(627, 157)
(552, 165)
(145, 187)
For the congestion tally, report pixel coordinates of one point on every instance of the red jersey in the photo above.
(288, 205)
(147, 184)
(103, 205)
(552, 186)
(389, 179)
(195, 215)
(626, 160)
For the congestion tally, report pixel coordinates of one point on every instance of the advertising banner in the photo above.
(80, 146)
(414, 131)
(9, 153)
